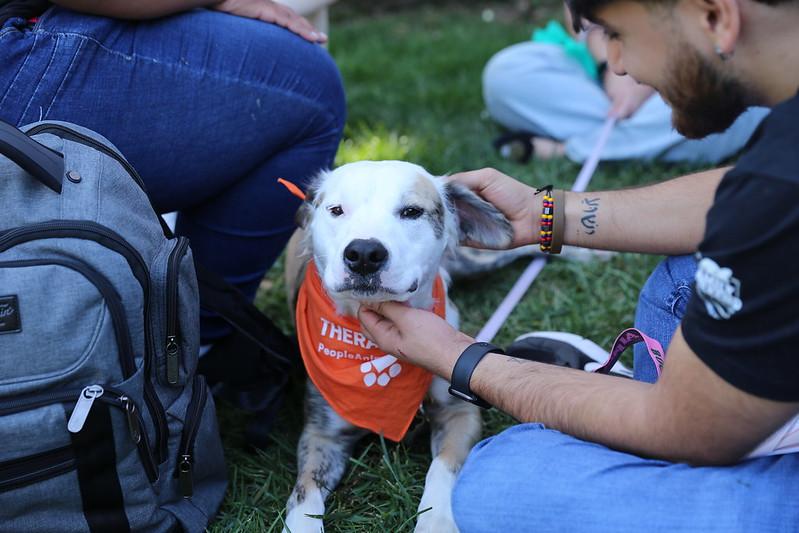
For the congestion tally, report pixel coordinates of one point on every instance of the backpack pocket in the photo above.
(86, 233)
(36, 411)
(60, 290)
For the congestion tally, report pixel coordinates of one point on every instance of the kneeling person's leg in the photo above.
(529, 478)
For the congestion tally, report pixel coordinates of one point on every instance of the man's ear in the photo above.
(479, 222)
(720, 20)
(303, 215)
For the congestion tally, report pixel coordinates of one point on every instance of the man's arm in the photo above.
(663, 218)
(690, 414)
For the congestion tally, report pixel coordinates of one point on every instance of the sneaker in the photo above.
(564, 349)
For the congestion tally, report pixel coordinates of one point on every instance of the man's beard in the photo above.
(703, 100)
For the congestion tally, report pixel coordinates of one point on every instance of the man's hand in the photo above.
(415, 335)
(516, 200)
(273, 12)
(626, 95)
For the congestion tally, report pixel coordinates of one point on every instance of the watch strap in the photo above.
(464, 368)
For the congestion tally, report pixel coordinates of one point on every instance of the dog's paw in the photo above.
(380, 370)
(299, 521)
(430, 522)
(303, 524)
(435, 507)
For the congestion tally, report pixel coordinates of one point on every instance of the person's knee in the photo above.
(512, 475)
(505, 73)
(333, 86)
(669, 285)
(324, 74)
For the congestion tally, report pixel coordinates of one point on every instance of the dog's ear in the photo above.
(303, 215)
(479, 222)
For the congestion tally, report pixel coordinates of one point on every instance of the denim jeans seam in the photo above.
(19, 71)
(196, 72)
(64, 78)
(42, 78)
(677, 295)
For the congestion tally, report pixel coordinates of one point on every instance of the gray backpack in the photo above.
(104, 424)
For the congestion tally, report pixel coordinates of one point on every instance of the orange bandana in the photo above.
(364, 385)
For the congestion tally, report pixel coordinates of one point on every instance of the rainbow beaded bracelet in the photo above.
(550, 234)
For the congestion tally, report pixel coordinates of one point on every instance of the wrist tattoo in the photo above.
(590, 207)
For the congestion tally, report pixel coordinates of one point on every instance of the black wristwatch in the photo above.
(464, 368)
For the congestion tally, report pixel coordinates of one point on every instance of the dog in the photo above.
(377, 231)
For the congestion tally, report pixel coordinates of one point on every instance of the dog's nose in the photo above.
(365, 256)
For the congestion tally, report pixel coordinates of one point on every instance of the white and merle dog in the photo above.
(415, 221)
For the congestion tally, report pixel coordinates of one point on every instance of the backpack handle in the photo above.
(39, 161)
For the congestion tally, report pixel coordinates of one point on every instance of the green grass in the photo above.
(413, 85)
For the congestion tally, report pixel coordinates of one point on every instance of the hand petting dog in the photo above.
(415, 335)
(511, 197)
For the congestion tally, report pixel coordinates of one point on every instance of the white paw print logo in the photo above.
(380, 370)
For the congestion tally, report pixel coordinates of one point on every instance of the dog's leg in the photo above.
(455, 428)
(325, 445)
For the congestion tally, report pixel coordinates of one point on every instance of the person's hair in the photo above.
(585, 9)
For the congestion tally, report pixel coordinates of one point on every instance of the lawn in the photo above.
(413, 85)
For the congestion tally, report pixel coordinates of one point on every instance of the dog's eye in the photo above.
(335, 210)
(411, 212)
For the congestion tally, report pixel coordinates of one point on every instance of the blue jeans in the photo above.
(210, 109)
(530, 478)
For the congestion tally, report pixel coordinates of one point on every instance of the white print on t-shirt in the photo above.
(720, 291)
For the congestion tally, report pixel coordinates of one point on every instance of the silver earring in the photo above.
(722, 55)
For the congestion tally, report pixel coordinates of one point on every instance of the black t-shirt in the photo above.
(21, 8)
(743, 319)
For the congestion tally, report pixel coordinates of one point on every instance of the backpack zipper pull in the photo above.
(83, 406)
(185, 476)
(172, 359)
(133, 420)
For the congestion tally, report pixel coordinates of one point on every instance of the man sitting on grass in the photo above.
(669, 453)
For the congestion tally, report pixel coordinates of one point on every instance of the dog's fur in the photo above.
(374, 200)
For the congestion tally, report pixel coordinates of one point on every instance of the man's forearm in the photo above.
(665, 218)
(125, 9)
(599, 408)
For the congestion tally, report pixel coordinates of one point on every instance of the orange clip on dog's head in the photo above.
(293, 189)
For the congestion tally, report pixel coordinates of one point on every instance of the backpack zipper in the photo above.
(17, 473)
(185, 467)
(109, 294)
(83, 229)
(173, 357)
(85, 400)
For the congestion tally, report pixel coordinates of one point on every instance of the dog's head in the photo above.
(377, 230)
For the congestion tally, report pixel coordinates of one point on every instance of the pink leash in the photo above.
(518, 290)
